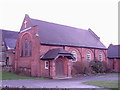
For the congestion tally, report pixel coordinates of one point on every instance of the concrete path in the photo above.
(49, 83)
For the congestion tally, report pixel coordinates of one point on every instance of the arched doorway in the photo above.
(59, 68)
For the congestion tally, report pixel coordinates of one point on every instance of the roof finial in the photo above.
(26, 15)
(89, 29)
(111, 43)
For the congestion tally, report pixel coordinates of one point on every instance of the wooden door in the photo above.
(59, 68)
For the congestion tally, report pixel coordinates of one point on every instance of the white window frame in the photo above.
(100, 56)
(88, 56)
(74, 53)
(46, 64)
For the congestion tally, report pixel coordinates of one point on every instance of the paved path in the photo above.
(46, 84)
(49, 83)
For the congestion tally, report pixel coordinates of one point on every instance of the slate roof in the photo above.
(55, 53)
(10, 38)
(114, 51)
(56, 34)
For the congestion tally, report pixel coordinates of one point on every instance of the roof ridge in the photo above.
(58, 24)
(111, 45)
(8, 30)
(117, 45)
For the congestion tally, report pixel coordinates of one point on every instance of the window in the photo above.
(30, 46)
(46, 64)
(75, 56)
(88, 56)
(100, 56)
(26, 47)
(22, 50)
(7, 61)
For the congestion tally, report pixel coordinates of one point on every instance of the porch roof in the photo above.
(55, 53)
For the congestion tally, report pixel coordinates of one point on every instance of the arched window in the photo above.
(100, 56)
(26, 47)
(30, 48)
(75, 55)
(22, 50)
(88, 56)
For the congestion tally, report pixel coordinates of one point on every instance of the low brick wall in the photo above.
(7, 68)
(24, 71)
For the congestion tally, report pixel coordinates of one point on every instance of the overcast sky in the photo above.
(99, 15)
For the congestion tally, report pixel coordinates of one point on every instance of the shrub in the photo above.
(77, 68)
(74, 71)
(97, 66)
(86, 71)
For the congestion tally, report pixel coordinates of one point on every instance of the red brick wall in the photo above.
(31, 62)
(81, 55)
(117, 67)
(114, 65)
(82, 59)
(38, 66)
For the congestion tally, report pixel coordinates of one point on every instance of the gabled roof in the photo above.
(55, 53)
(56, 34)
(114, 51)
(9, 38)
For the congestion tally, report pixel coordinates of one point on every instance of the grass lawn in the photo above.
(111, 75)
(102, 83)
(105, 83)
(11, 76)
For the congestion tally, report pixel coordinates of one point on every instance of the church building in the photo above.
(45, 49)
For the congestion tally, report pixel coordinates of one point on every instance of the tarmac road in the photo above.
(49, 83)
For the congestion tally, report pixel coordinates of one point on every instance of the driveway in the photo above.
(49, 83)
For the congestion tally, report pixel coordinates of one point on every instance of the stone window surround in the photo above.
(100, 56)
(88, 56)
(75, 55)
(46, 64)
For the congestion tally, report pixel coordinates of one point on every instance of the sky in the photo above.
(101, 16)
